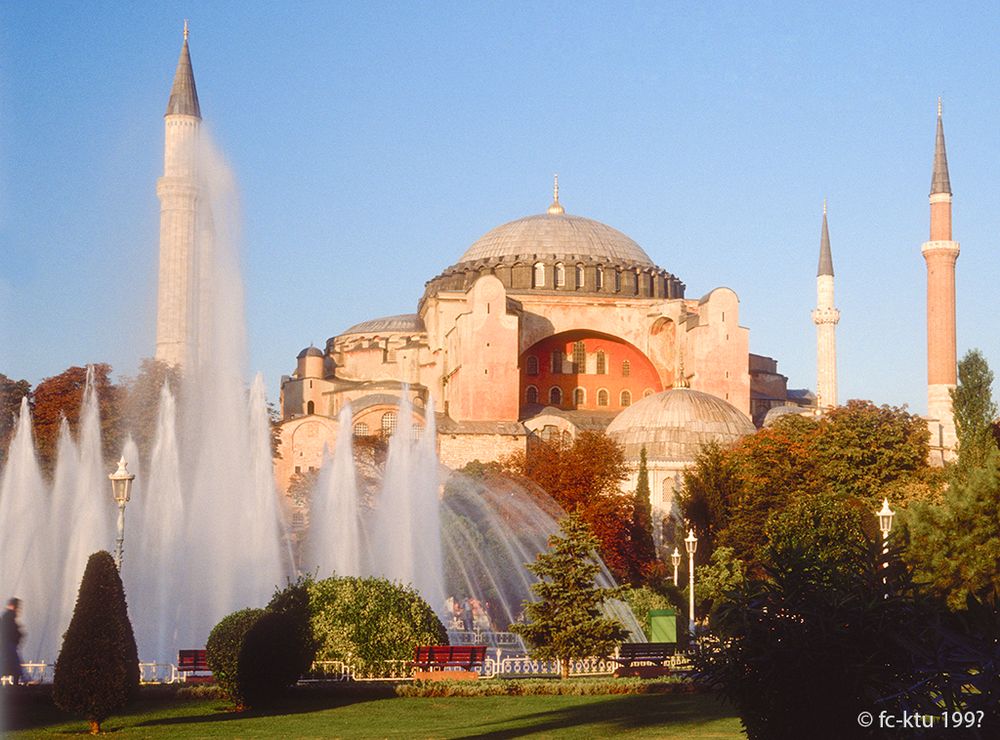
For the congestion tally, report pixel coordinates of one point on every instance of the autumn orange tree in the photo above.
(62, 395)
(584, 477)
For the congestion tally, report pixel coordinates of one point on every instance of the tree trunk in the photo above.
(95, 727)
(564, 668)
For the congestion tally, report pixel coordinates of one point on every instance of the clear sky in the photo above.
(373, 143)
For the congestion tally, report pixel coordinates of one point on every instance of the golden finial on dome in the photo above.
(939, 106)
(185, 29)
(556, 209)
(682, 381)
(824, 205)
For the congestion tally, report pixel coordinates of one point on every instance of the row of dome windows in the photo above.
(579, 367)
(580, 396)
(559, 277)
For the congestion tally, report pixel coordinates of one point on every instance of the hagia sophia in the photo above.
(545, 326)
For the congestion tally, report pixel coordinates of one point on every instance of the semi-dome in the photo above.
(676, 424)
(406, 322)
(557, 234)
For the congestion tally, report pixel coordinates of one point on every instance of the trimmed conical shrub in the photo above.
(97, 672)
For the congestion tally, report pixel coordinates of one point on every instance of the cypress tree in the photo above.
(97, 671)
(643, 549)
(974, 412)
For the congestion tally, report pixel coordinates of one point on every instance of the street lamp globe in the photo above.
(121, 483)
(691, 542)
(885, 518)
(675, 557)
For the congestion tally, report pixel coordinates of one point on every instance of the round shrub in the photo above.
(97, 671)
(365, 621)
(293, 601)
(253, 655)
(223, 649)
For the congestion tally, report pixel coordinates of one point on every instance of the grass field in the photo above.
(378, 713)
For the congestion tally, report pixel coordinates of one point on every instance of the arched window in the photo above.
(626, 368)
(579, 397)
(579, 357)
(532, 368)
(311, 407)
(599, 278)
(602, 362)
(531, 394)
(560, 275)
(602, 397)
(668, 490)
(538, 276)
(625, 399)
(388, 423)
(618, 281)
(579, 277)
(555, 396)
(360, 429)
(638, 281)
(557, 361)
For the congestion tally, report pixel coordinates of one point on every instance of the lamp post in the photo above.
(691, 545)
(675, 558)
(121, 489)
(885, 525)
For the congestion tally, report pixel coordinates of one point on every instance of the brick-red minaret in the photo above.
(941, 253)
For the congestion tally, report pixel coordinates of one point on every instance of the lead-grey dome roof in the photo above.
(676, 424)
(406, 322)
(560, 235)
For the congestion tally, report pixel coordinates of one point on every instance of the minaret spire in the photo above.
(940, 182)
(184, 95)
(825, 316)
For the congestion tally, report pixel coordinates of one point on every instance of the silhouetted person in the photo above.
(10, 638)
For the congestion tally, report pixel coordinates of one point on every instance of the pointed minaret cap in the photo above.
(940, 183)
(184, 95)
(556, 208)
(825, 256)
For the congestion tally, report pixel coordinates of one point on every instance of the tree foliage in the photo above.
(974, 412)
(641, 526)
(62, 396)
(141, 400)
(585, 477)
(366, 621)
(97, 671)
(955, 544)
(566, 622)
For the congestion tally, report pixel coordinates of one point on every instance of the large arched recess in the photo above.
(626, 369)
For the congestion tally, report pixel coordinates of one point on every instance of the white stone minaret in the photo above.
(941, 253)
(825, 316)
(178, 293)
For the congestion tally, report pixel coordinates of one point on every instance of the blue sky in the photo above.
(374, 142)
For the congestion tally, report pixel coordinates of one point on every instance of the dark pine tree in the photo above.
(566, 622)
(97, 672)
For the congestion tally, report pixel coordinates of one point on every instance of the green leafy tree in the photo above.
(141, 401)
(974, 412)
(566, 622)
(711, 488)
(723, 574)
(955, 544)
(368, 621)
(97, 672)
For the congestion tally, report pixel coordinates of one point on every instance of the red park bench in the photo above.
(439, 658)
(192, 666)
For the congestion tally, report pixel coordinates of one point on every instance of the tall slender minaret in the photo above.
(177, 300)
(825, 316)
(941, 253)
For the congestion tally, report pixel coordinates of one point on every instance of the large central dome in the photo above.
(560, 235)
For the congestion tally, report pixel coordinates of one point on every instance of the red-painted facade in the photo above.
(586, 370)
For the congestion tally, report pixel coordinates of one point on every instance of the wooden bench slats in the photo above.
(429, 657)
(646, 652)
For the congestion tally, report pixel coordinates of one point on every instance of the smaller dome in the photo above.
(776, 412)
(676, 424)
(309, 351)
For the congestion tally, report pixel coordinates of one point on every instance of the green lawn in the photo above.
(374, 714)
